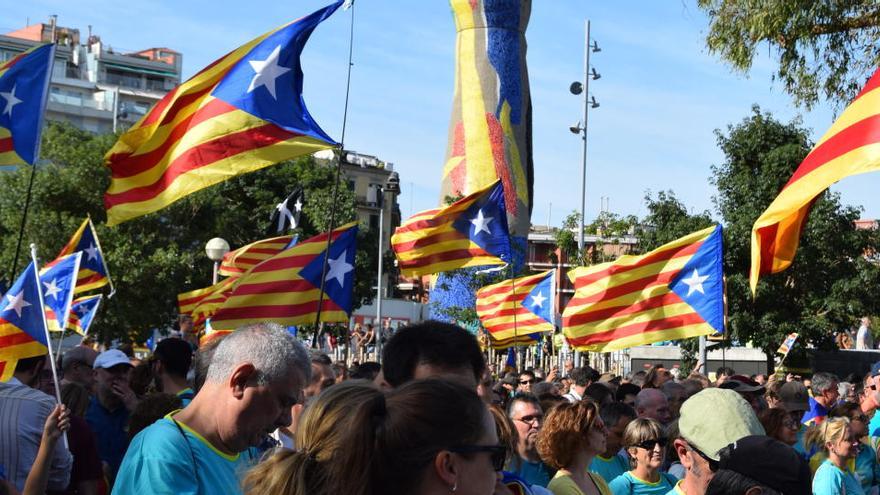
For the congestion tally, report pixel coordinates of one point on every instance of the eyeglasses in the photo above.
(531, 419)
(498, 453)
(650, 444)
(526, 382)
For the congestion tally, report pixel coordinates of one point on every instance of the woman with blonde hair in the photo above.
(572, 435)
(835, 476)
(644, 440)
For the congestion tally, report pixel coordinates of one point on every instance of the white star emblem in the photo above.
(338, 268)
(52, 289)
(17, 303)
(11, 101)
(695, 282)
(481, 223)
(93, 252)
(267, 71)
(298, 206)
(538, 301)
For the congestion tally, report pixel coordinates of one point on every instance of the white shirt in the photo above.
(864, 339)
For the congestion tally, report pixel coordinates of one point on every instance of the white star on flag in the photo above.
(17, 303)
(93, 252)
(481, 223)
(11, 101)
(338, 268)
(538, 301)
(695, 282)
(52, 289)
(267, 71)
(298, 206)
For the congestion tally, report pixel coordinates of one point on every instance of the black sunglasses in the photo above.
(649, 444)
(498, 453)
(526, 382)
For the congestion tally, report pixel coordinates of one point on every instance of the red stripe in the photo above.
(124, 165)
(452, 255)
(6, 144)
(273, 287)
(277, 311)
(15, 339)
(519, 323)
(519, 310)
(863, 132)
(637, 328)
(15, 60)
(177, 104)
(522, 288)
(89, 279)
(623, 289)
(429, 240)
(617, 311)
(873, 83)
(649, 259)
(200, 156)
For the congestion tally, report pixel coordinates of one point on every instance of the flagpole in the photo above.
(60, 342)
(335, 183)
(46, 330)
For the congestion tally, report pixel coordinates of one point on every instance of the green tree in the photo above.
(826, 287)
(155, 257)
(822, 48)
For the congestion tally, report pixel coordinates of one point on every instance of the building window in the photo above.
(122, 78)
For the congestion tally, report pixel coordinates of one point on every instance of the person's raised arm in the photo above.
(57, 423)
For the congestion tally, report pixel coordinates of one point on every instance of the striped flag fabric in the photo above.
(470, 232)
(518, 306)
(201, 304)
(24, 87)
(286, 287)
(851, 146)
(673, 292)
(22, 332)
(518, 341)
(82, 313)
(244, 258)
(59, 282)
(242, 113)
(93, 272)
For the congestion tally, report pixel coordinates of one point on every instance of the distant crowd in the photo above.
(256, 412)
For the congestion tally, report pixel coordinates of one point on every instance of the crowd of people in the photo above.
(256, 412)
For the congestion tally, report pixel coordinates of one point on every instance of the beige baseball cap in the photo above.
(714, 418)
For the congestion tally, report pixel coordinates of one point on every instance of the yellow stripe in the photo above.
(651, 337)
(606, 324)
(523, 330)
(866, 106)
(326, 316)
(451, 265)
(21, 351)
(414, 235)
(218, 171)
(437, 248)
(516, 167)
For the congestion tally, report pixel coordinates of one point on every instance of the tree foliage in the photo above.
(668, 220)
(823, 49)
(825, 289)
(153, 258)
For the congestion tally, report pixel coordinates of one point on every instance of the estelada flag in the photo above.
(59, 283)
(82, 313)
(673, 292)
(242, 113)
(246, 257)
(93, 272)
(470, 232)
(518, 306)
(22, 332)
(851, 146)
(24, 86)
(285, 288)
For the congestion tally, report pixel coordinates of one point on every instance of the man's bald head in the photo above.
(652, 403)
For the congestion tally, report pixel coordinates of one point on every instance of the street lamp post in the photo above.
(392, 186)
(216, 248)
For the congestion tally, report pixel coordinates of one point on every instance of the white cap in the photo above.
(110, 358)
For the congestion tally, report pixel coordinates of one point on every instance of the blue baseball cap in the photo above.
(875, 370)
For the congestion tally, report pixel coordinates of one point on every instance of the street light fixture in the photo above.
(216, 249)
(392, 186)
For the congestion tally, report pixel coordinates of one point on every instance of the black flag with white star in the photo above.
(287, 213)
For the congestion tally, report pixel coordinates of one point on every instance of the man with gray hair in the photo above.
(651, 403)
(825, 395)
(255, 376)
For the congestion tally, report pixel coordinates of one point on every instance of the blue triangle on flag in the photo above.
(700, 283)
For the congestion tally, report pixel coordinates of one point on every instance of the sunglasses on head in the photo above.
(650, 444)
(498, 453)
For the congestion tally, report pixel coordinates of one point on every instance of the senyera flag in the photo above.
(286, 288)
(24, 86)
(470, 232)
(673, 292)
(851, 146)
(518, 306)
(242, 113)
(22, 332)
(93, 272)
(244, 258)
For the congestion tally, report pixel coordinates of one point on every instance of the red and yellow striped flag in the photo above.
(518, 341)
(676, 291)
(470, 232)
(517, 307)
(242, 113)
(246, 257)
(851, 146)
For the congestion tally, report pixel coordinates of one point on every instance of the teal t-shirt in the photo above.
(611, 468)
(627, 484)
(533, 473)
(874, 425)
(867, 468)
(160, 461)
(831, 480)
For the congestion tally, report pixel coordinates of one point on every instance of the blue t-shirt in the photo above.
(161, 460)
(186, 396)
(831, 480)
(611, 468)
(867, 468)
(627, 484)
(111, 432)
(874, 425)
(533, 473)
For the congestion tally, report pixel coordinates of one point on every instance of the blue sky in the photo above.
(661, 93)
